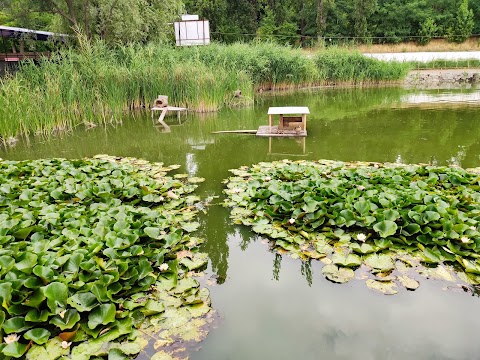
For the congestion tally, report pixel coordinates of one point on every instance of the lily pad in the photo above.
(385, 287)
(338, 274)
(408, 283)
(347, 260)
(380, 262)
(439, 273)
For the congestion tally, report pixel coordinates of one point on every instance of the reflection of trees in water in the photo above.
(216, 229)
(246, 240)
(277, 264)
(416, 135)
(306, 270)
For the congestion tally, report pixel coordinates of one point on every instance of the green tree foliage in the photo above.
(462, 25)
(298, 22)
(118, 21)
(428, 29)
(363, 10)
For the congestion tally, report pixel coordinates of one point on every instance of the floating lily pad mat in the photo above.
(388, 222)
(96, 260)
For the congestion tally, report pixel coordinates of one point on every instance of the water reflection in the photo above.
(442, 99)
(277, 265)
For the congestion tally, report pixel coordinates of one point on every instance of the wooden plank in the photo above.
(234, 132)
(288, 110)
(169, 108)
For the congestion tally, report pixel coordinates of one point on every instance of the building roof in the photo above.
(288, 110)
(7, 31)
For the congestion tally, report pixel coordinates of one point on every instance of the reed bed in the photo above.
(95, 85)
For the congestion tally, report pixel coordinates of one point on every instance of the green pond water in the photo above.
(274, 307)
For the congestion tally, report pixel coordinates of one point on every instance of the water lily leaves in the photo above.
(26, 262)
(36, 316)
(152, 307)
(411, 229)
(5, 294)
(377, 214)
(152, 232)
(439, 273)
(385, 228)
(15, 349)
(44, 272)
(338, 274)
(73, 238)
(116, 354)
(385, 287)
(190, 226)
(347, 260)
(362, 206)
(50, 351)
(15, 325)
(380, 262)
(57, 295)
(363, 248)
(37, 335)
(66, 320)
(197, 262)
(196, 180)
(83, 301)
(408, 283)
(102, 314)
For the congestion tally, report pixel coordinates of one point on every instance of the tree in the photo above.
(362, 11)
(322, 10)
(463, 24)
(119, 21)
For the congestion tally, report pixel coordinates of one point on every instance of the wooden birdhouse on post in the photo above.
(292, 122)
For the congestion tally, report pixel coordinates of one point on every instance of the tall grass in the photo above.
(94, 84)
(341, 65)
(446, 64)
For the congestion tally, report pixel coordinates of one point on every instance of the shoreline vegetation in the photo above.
(95, 85)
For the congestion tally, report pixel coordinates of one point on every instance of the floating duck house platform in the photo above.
(292, 122)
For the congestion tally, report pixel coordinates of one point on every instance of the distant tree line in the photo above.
(300, 22)
(306, 21)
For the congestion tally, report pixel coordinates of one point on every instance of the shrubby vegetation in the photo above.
(391, 218)
(95, 84)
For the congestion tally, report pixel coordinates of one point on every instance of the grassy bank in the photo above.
(95, 85)
(446, 64)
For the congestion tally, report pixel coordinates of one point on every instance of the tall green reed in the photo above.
(95, 85)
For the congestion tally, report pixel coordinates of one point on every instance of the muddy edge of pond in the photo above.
(441, 78)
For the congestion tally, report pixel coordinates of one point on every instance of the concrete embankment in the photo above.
(442, 78)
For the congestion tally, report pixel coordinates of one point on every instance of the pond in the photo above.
(274, 307)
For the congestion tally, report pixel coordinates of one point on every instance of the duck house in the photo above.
(292, 121)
